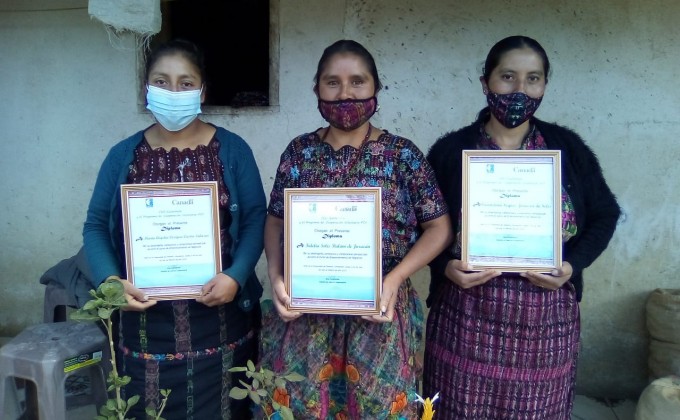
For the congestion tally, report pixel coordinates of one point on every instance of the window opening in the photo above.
(234, 37)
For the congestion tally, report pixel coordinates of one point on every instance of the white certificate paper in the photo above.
(333, 249)
(512, 214)
(171, 232)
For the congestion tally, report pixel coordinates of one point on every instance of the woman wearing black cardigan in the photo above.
(501, 345)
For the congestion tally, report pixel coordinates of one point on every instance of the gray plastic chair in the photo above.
(48, 354)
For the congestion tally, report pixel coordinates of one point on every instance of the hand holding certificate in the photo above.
(171, 232)
(512, 210)
(333, 250)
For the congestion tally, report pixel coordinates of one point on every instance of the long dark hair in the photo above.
(512, 43)
(183, 47)
(347, 46)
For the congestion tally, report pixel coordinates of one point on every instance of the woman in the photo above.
(355, 367)
(184, 345)
(501, 346)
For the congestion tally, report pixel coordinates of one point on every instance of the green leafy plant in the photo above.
(266, 389)
(108, 298)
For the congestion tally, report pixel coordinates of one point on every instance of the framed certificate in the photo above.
(172, 237)
(333, 250)
(512, 212)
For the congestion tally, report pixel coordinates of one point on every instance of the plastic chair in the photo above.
(55, 303)
(47, 355)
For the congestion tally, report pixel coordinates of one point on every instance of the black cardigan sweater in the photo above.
(595, 206)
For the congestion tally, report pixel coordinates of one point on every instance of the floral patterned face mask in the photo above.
(348, 114)
(512, 109)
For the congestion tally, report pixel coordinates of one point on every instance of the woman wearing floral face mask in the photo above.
(501, 346)
(356, 367)
(184, 345)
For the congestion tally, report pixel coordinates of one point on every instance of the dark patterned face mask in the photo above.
(512, 109)
(348, 114)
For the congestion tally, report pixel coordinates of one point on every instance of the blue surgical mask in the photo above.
(173, 110)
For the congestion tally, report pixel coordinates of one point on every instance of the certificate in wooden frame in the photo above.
(172, 237)
(333, 250)
(512, 210)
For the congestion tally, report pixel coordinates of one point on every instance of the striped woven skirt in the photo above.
(503, 350)
(187, 347)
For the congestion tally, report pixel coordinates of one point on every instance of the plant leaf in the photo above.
(104, 313)
(104, 411)
(112, 289)
(254, 397)
(287, 413)
(251, 365)
(238, 369)
(294, 377)
(132, 400)
(81, 315)
(111, 405)
(238, 393)
(92, 304)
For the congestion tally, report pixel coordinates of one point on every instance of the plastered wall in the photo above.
(69, 92)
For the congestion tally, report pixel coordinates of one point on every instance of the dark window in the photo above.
(234, 37)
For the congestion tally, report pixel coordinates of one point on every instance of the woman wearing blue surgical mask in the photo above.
(184, 345)
(499, 345)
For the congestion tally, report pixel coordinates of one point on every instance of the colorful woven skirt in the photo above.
(354, 369)
(503, 350)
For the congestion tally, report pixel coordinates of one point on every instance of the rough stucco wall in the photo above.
(70, 95)
(62, 105)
